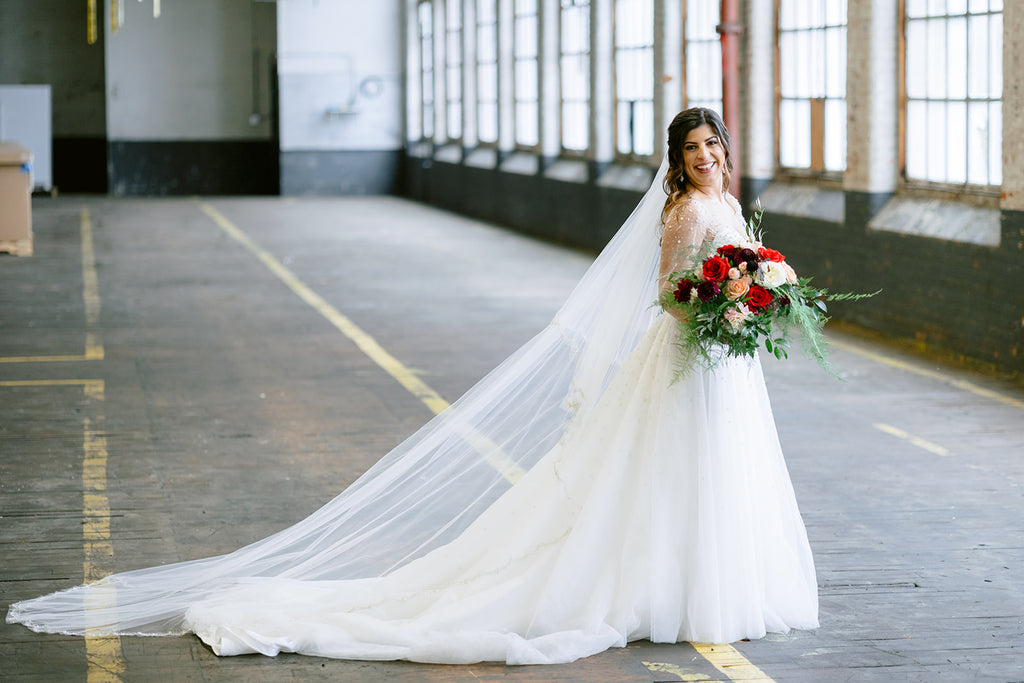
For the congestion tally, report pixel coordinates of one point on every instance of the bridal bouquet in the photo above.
(738, 294)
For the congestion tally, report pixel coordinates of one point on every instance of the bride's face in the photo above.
(704, 158)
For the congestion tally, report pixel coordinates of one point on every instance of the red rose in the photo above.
(728, 251)
(759, 297)
(767, 254)
(716, 269)
(682, 292)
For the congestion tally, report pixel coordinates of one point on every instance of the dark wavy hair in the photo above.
(677, 184)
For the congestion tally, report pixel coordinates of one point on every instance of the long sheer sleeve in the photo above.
(684, 232)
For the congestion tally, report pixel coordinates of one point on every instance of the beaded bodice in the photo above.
(694, 221)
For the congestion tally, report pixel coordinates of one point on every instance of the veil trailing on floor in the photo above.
(427, 490)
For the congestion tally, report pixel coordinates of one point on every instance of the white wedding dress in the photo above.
(653, 510)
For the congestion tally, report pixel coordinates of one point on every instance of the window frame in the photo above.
(516, 60)
(423, 73)
(686, 57)
(979, 195)
(448, 67)
(633, 157)
(477, 71)
(829, 179)
(588, 148)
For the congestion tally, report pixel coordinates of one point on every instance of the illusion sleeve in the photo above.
(683, 234)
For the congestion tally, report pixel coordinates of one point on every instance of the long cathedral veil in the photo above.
(430, 487)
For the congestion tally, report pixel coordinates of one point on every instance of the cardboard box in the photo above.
(15, 199)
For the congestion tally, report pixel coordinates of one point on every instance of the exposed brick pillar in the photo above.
(871, 97)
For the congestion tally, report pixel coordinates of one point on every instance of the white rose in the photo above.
(770, 274)
(790, 273)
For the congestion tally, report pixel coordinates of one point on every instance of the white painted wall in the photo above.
(340, 74)
(188, 75)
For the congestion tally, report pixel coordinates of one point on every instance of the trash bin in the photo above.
(15, 199)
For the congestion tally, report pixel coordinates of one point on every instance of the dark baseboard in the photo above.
(342, 172)
(80, 164)
(188, 167)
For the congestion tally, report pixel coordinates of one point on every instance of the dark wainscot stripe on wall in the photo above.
(189, 167)
(582, 215)
(80, 164)
(341, 172)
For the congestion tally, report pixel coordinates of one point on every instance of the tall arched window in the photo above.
(574, 64)
(453, 68)
(634, 77)
(425, 19)
(812, 79)
(487, 70)
(703, 55)
(527, 115)
(954, 87)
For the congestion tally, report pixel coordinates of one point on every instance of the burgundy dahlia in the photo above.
(707, 290)
(748, 256)
(682, 293)
(728, 251)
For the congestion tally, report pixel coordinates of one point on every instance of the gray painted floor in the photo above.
(225, 408)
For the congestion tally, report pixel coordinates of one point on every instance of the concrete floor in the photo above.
(217, 407)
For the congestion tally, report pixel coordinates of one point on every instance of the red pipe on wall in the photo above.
(730, 29)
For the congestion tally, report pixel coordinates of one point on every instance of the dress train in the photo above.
(664, 512)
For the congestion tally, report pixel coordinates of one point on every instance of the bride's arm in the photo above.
(680, 239)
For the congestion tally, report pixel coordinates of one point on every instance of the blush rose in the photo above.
(736, 289)
(735, 318)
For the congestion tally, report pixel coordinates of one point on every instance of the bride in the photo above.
(575, 499)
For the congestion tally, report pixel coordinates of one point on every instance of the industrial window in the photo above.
(453, 68)
(527, 109)
(634, 77)
(953, 85)
(487, 70)
(812, 79)
(574, 58)
(703, 55)
(425, 18)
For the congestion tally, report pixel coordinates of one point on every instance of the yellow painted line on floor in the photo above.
(103, 654)
(917, 441)
(104, 658)
(729, 661)
(684, 673)
(91, 299)
(931, 374)
(90, 290)
(47, 359)
(367, 344)
(94, 388)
